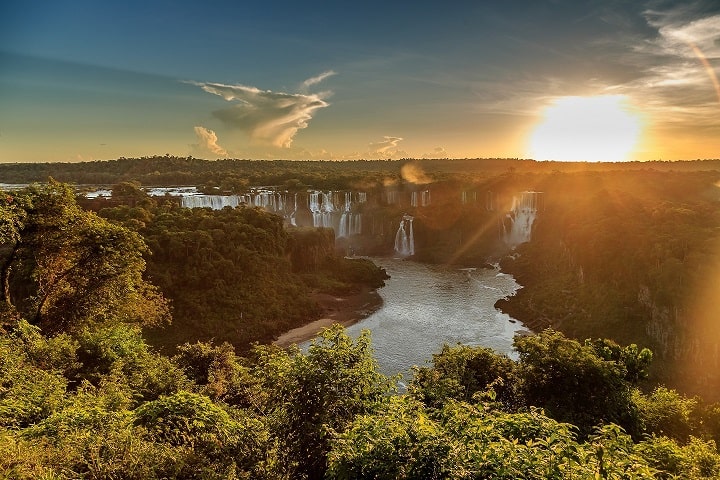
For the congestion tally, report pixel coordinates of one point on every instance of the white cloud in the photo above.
(207, 143)
(438, 152)
(269, 117)
(386, 146)
(678, 83)
(317, 79)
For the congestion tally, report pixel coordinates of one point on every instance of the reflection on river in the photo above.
(426, 306)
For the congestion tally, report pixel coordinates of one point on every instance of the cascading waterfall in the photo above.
(350, 224)
(322, 207)
(268, 200)
(420, 199)
(334, 210)
(216, 202)
(404, 238)
(329, 209)
(520, 218)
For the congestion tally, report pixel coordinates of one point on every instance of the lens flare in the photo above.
(592, 129)
(708, 68)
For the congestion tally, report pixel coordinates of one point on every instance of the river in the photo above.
(426, 306)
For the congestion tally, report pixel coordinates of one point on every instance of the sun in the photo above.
(592, 129)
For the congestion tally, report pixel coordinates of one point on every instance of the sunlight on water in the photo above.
(427, 306)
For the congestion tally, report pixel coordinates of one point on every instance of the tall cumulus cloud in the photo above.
(268, 117)
(207, 143)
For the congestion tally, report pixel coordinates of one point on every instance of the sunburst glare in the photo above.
(597, 128)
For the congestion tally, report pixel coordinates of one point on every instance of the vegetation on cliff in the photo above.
(236, 275)
(631, 256)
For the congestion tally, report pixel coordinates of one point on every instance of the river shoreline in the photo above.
(345, 310)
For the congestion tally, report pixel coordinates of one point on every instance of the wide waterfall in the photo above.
(521, 218)
(335, 210)
(404, 238)
(216, 202)
(276, 202)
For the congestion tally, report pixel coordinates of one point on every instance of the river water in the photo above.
(426, 306)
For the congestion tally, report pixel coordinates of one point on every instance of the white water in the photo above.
(426, 306)
(522, 216)
(405, 238)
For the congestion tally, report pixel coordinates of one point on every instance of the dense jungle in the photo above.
(136, 334)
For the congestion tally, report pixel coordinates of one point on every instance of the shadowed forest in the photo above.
(135, 332)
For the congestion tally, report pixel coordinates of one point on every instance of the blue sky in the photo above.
(83, 80)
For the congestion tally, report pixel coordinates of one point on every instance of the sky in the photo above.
(546, 79)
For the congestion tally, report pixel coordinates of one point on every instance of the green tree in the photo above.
(461, 371)
(573, 384)
(221, 374)
(219, 444)
(318, 393)
(69, 267)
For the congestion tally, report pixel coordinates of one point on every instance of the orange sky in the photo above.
(365, 80)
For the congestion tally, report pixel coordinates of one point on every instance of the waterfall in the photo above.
(216, 202)
(329, 209)
(270, 200)
(420, 199)
(404, 238)
(520, 219)
(343, 227)
(350, 224)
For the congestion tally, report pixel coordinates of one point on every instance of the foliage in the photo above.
(461, 372)
(221, 374)
(405, 441)
(694, 460)
(572, 383)
(82, 395)
(65, 267)
(629, 256)
(328, 413)
(665, 412)
(222, 444)
(319, 393)
(228, 275)
(27, 393)
(119, 352)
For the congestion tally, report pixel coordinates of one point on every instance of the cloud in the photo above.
(386, 146)
(438, 152)
(317, 79)
(678, 82)
(207, 143)
(269, 117)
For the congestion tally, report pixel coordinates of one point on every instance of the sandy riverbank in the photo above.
(344, 310)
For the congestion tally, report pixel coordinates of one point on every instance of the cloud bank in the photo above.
(269, 117)
(386, 146)
(438, 152)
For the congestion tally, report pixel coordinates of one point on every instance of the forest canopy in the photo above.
(84, 394)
